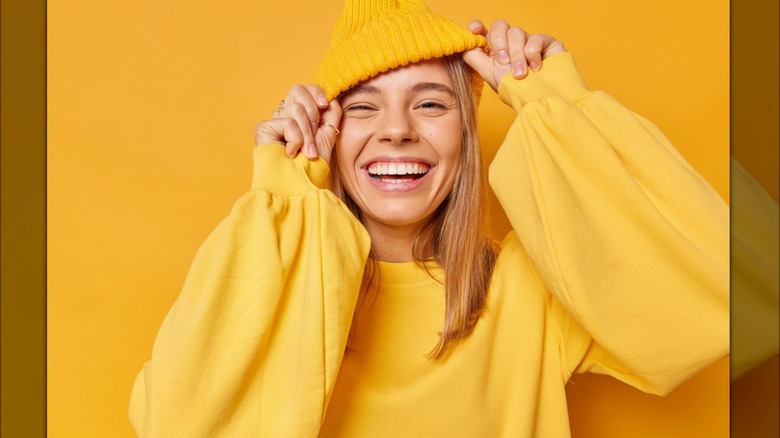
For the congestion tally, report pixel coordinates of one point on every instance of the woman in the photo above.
(377, 306)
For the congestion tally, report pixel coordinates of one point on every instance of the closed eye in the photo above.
(435, 108)
(432, 105)
(359, 111)
(359, 107)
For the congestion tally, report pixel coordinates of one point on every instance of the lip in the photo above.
(406, 186)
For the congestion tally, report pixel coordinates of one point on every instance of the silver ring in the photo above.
(329, 125)
(278, 111)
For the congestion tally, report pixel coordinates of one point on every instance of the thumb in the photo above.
(483, 64)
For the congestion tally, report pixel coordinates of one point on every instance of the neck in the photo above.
(393, 243)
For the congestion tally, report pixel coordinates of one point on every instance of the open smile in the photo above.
(397, 176)
(395, 173)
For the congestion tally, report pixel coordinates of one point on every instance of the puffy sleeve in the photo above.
(253, 343)
(629, 239)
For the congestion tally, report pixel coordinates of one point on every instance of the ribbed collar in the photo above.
(409, 273)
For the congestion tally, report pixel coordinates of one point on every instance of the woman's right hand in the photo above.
(306, 122)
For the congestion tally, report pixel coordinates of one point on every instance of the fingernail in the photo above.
(503, 56)
(322, 100)
(535, 66)
(518, 70)
(312, 151)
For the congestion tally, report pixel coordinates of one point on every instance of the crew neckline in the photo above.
(406, 273)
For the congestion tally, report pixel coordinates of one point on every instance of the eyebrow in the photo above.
(420, 86)
(361, 89)
(436, 86)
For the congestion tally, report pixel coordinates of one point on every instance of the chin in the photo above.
(400, 215)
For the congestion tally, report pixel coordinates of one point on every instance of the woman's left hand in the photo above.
(511, 50)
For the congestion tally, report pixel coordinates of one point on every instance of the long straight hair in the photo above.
(456, 236)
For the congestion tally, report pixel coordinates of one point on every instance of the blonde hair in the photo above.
(457, 235)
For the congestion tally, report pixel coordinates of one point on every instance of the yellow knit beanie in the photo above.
(374, 36)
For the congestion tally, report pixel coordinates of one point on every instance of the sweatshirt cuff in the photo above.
(277, 173)
(557, 77)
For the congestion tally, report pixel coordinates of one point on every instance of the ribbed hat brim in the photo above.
(387, 43)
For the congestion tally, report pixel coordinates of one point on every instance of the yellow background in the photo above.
(151, 106)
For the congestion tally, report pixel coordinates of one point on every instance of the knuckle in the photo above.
(290, 127)
(259, 129)
(297, 109)
(516, 32)
(314, 89)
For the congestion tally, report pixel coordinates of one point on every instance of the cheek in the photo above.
(452, 154)
(445, 136)
(451, 151)
(453, 176)
(350, 143)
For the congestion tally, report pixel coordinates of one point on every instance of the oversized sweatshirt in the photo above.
(617, 264)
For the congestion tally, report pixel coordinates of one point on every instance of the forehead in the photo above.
(432, 70)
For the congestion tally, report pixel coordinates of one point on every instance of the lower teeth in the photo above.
(396, 180)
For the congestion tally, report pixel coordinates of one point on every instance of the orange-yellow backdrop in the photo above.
(151, 106)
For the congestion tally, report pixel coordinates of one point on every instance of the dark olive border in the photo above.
(755, 136)
(754, 61)
(23, 217)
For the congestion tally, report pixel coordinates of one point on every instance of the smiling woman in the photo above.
(405, 118)
(421, 115)
(353, 291)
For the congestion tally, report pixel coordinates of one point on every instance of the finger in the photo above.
(307, 103)
(318, 94)
(534, 48)
(476, 27)
(482, 63)
(328, 130)
(304, 95)
(551, 46)
(307, 125)
(293, 137)
(517, 38)
(268, 132)
(280, 131)
(497, 39)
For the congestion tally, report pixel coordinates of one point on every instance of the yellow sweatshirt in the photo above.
(618, 265)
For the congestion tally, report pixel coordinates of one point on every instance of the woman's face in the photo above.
(400, 145)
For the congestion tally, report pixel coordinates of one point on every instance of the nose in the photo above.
(397, 127)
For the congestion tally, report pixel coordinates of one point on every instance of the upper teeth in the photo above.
(397, 168)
